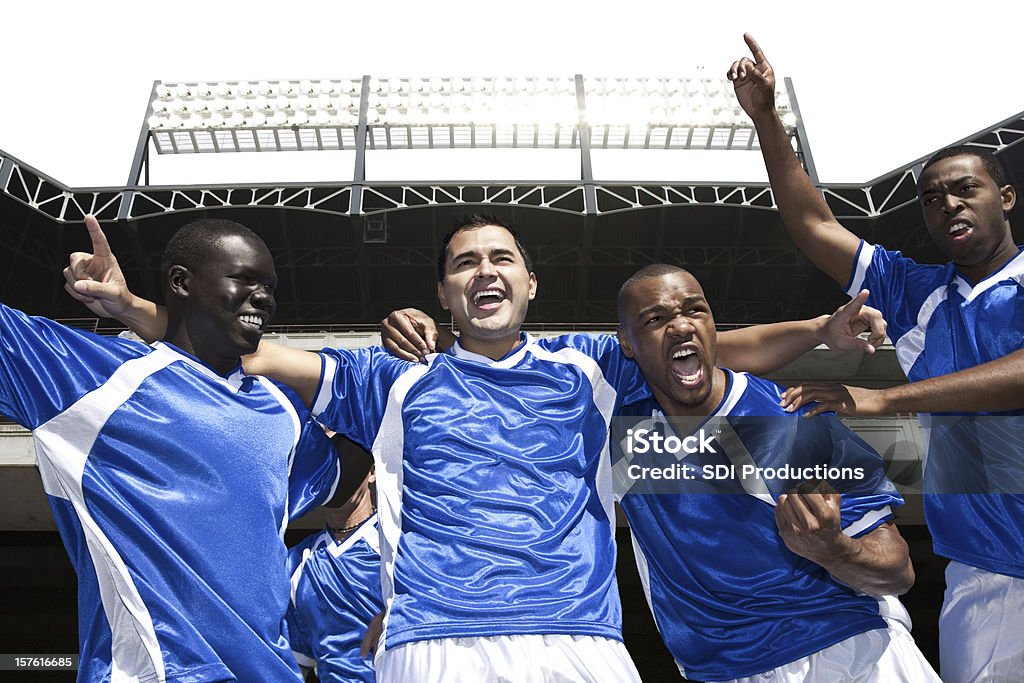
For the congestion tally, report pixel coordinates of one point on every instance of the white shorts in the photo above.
(981, 627)
(885, 655)
(508, 659)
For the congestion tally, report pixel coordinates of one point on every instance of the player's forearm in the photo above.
(804, 211)
(760, 349)
(991, 387)
(299, 369)
(875, 564)
(146, 319)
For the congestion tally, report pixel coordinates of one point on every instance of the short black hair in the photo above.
(192, 245)
(653, 270)
(992, 165)
(471, 222)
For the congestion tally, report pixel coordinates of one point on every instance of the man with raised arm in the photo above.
(958, 329)
(171, 472)
(749, 577)
(494, 485)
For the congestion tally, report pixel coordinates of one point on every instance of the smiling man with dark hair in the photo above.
(172, 473)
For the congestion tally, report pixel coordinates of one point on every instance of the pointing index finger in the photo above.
(100, 247)
(754, 48)
(857, 303)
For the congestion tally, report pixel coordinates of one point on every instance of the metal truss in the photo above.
(63, 204)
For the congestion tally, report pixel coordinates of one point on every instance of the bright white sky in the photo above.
(880, 83)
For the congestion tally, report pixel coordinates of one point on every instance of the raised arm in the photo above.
(803, 209)
(877, 563)
(97, 281)
(761, 349)
(991, 387)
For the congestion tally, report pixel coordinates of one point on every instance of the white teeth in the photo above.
(251, 320)
(958, 226)
(488, 292)
(683, 353)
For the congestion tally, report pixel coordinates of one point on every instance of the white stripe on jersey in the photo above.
(604, 398)
(63, 445)
(643, 569)
(366, 532)
(390, 441)
(324, 538)
(865, 522)
(910, 345)
(860, 268)
(1014, 270)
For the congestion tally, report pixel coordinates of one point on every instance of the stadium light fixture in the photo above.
(449, 112)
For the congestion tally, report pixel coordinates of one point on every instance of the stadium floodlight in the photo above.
(472, 112)
(672, 113)
(241, 116)
(450, 112)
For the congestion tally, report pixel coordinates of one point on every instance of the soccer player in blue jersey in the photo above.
(171, 473)
(958, 329)
(497, 525)
(335, 588)
(749, 580)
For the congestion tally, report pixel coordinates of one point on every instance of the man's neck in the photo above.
(180, 338)
(495, 349)
(344, 519)
(979, 271)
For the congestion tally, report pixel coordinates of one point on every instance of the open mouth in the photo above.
(488, 299)
(253, 322)
(960, 231)
(687, 368)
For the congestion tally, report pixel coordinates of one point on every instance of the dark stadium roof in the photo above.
(336, 269)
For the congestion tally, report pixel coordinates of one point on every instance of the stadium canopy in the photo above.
(348, 252)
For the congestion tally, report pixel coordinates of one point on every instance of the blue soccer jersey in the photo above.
(335, 595)
(941, 323)
(493, 482)
(171, 487)
(729, 598)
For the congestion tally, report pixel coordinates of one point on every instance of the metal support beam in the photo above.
(586, 168)
(6, 169)
(355, 206)
(586, 260)
(804, 147)
(140, 160)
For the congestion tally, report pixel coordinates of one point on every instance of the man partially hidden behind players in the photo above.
(732, 602)
(171, 473)
(958, 329)
(335, 585)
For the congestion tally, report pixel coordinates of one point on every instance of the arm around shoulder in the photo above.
(299, 369)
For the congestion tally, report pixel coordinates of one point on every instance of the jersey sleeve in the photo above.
(899, 286)
(315, 470)
(354, 389)
(867, 497)
(622, 373)
(45, 367)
